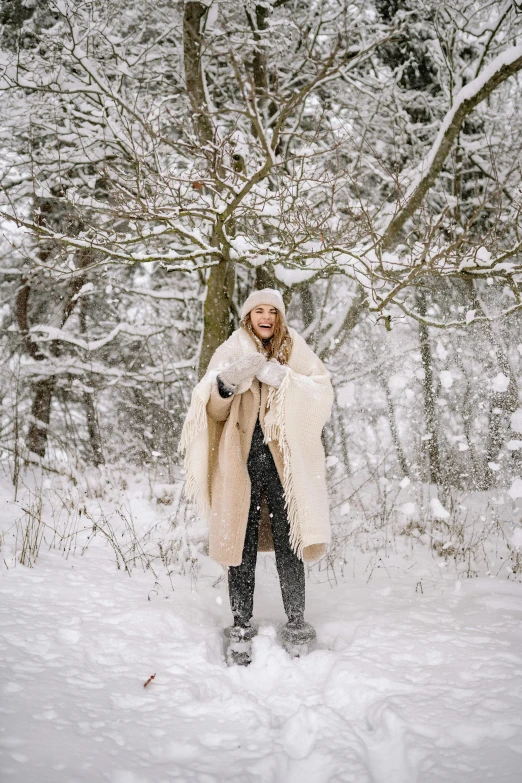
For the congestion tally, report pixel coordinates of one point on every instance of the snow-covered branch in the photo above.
(501, 68)
(44, 334)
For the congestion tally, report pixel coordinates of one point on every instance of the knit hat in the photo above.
(267, 296)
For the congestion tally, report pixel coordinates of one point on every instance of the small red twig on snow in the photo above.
(149, 680)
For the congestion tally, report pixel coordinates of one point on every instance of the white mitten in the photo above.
(272, 373)
(242, 370)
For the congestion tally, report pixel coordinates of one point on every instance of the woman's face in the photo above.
(263, 320)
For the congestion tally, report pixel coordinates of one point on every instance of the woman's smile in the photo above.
(263, 320)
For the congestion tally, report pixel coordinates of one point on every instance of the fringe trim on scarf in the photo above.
(195, 426)
(275, 430)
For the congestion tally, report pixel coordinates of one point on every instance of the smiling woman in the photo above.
(263, 318)
(255, 464)
(265, 323)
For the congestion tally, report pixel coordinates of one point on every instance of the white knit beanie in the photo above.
(267, 296)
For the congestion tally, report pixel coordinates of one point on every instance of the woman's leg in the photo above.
(242, 578)
(289, 567)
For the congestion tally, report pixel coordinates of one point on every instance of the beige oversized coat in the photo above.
(236, 418)
(217, 436)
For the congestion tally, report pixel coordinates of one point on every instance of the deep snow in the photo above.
(417, 677)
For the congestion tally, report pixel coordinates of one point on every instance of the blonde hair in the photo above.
(279, 346)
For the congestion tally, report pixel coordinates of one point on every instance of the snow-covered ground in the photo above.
(417, 677)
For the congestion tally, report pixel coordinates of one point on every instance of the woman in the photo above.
(255, 463)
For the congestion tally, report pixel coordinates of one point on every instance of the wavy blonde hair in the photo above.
(279, 346)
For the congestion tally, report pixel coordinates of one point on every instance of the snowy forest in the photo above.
(162, 159)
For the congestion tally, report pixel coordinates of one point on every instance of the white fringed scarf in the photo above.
(296, 415)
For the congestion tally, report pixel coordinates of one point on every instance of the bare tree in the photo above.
(293, 144)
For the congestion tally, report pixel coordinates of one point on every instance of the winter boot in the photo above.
(238, 644)
(298, 638)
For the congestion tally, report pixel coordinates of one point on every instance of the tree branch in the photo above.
(501, 68)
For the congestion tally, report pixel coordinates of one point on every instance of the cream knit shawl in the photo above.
(297, 413)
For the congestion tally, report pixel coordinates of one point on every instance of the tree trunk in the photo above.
(42, 390)
(217, 312)
(259, 29)
(220, 285)
(432, 445)
(93, 427)
(392, 418)
(259, 60)
(194, 76)
(502, 405)
(308, 306)
(264, 278)
(40, 416)
(392, 421)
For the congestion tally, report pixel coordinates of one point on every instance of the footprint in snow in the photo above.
(385, 746)
(299, 733)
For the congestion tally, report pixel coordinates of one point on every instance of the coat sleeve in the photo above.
(218, 406)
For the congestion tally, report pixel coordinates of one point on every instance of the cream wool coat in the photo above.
(216, 439)
(230, 482)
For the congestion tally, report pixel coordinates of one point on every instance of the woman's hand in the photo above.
(242, 370)
(272, 373)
